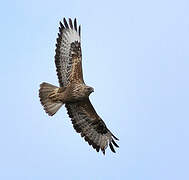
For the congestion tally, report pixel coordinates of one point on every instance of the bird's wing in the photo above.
(68, 53)
(86, 121)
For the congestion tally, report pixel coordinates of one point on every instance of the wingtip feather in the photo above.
(115, 137)
(75, 24)
(115, 143)
(70, 23)
(79, 30)
(65, 23)
(111, 147)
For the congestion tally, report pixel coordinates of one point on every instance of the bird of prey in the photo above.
(73, 92)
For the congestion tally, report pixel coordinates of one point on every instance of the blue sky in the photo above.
(135, 55)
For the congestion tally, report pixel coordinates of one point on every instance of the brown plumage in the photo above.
(73, 92)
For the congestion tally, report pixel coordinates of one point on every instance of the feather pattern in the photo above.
(73, 92)
(86, 121)
(68, 53)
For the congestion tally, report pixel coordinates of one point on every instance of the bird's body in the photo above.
(73, 92)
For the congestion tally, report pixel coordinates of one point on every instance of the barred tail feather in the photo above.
(50, 107)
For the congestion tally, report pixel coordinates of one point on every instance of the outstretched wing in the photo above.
(86, 121)
(68, 53)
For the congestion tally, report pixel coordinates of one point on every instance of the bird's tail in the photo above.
(50, 106)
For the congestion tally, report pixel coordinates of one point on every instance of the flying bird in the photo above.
(73, 92)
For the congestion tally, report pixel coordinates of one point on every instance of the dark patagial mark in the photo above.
(100, 127)
(75, 49)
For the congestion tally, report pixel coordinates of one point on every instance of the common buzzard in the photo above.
(73, 92)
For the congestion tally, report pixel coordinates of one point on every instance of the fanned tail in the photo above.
(50, 106)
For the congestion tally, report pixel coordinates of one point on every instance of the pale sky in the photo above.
(135, 55)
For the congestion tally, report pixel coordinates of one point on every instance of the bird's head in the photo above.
(89, 90)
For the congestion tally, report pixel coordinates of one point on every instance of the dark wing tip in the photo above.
(75, 24)
(103, 151)
(114, 143)
(61, 25)
(115, 137)
(79, 30)
(65, 23)
(111, 147)
(70, 23)
(98, 148)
